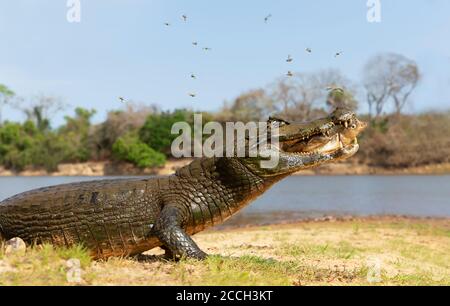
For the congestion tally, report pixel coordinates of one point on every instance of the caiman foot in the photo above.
(192, 253)
(168, 254)
(199, 255)
(176, 242)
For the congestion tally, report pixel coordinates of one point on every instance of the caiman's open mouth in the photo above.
(320, 145)
(305, 145)
(329, 138)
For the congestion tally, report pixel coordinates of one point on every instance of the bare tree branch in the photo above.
(390, 77)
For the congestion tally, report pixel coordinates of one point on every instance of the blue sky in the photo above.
(122, 48)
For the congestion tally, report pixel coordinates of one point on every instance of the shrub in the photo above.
(15, 144)
(131, 149)
(156, 132)
(74, 136)
(117, 124)
(407, 141)
(24, 145)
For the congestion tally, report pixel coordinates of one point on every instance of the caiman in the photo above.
(125, 217)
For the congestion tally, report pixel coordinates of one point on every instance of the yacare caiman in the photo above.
(124, 217)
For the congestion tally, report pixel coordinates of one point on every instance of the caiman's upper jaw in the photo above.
(305, 145)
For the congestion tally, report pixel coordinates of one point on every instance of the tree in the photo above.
(117, 124)
(75, 135)
(41, 109)
(408, 76)
(80, 123)
(341, 91)
(295, 97)
(5, 97)
(390, 77)
(302, 96)
(377, 95)
(342, 99)
(253, 105)
(23, 145)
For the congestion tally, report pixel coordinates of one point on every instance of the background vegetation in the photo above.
(141, 134)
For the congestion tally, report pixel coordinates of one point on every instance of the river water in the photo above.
(305, 197)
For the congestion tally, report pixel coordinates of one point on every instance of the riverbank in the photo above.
(372, 251)
(106, 168)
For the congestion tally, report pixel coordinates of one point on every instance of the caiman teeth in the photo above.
(341, 145)
(305, 153)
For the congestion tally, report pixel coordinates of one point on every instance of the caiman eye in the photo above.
(353, 126)
(280, 122)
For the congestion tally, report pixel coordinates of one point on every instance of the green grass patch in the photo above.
(41, 265)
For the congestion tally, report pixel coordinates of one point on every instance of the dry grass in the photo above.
(408, 252)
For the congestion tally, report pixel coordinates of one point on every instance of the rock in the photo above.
(74, 271)
(15, 246)
(6, 267)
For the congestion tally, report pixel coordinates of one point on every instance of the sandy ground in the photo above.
(373, 251)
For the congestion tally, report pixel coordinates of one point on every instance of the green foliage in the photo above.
(143, 136)
(27, 145)
(117, 124)
(15, 144)
(5, 91)
(342, 98)
(130, 148)
(380, 125)
(33, 145)
(36, 114)
(156, 132)
(24, 145)
(74, 136)
(5, 95)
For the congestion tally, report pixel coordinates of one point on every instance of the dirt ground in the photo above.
(387, 251)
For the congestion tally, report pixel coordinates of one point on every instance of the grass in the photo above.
(41, 265)
(361, 252)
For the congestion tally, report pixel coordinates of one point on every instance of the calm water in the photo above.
(300, 197)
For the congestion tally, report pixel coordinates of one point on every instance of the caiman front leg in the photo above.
(176, 242)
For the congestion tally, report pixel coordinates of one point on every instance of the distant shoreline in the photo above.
(107, 168)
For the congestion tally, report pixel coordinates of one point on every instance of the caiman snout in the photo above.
(323, 136)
